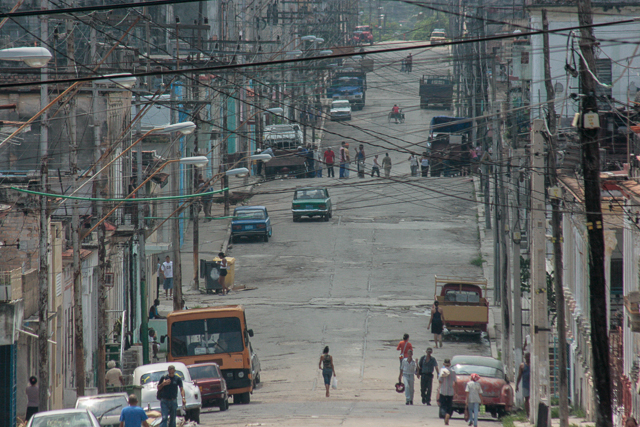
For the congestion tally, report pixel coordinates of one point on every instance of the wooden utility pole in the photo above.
(591, 170)
(102, 252)
(175, 188)
(539, 387)
(556, 225)
(43, 273)
(78, 335)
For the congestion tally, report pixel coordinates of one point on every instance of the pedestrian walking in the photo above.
(447, 380)
(386, 165)
(375, 169)
(473, 390)
(348, 155)
(33, 398)
(133, 415)
(328, 370)
(360, 158)
(403, 65)
(113, 377)
(168, 386)
(329, 160)
(426, 365)
(311, 172)
(224, 265)
(424, 164)
(207, 199)
(404, 346)
(407, 375)
(343, 159)
(167, 272)
(436, 323)
(413, 164)
(524, 374)
(318, 162)
(409, 63)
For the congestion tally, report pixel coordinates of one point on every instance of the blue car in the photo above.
(249, 221)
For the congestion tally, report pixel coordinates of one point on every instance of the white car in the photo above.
(340, 110)
(147, 376)
(64, 418)
(106, 407)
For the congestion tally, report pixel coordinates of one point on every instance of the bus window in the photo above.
(206, 336)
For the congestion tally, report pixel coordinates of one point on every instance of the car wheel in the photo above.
(194, 415)
(224, 405)
(237, 399)
(325, 217)
(295, 218)
(246, 397)
(258, 379)
(494, 414)
(266, 237)
(501, 412)
(234, 239)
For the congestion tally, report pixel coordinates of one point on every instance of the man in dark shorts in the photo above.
(168, 392)
(447, 380)
(426, 365)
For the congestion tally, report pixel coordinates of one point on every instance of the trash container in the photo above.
(210, 271)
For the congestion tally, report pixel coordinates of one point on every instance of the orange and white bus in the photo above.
(214, 334)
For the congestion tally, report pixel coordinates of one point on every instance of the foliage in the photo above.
(577, 412)
(478, 261)
(555, 412)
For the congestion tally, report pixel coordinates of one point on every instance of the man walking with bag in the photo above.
(407, 372)
(426, 365)
(447, 380)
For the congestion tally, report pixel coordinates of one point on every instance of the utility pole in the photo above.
(175, 188)
(556, 224)
(102, 251)
(591, 171)
(142, 262)
(195, 207)
(539, 311)
(497, 171)
(75, 228)
(43, 274)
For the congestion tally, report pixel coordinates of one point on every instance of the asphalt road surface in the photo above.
(358, 282)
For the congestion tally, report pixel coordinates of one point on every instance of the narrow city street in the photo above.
(358, 282)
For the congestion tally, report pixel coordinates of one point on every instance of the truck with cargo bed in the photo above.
(464, 303)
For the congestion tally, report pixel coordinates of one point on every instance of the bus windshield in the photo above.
(206, 336)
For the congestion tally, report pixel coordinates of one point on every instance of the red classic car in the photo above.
(213, 387)
(497, 394)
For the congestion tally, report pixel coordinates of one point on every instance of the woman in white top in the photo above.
(413, 163)
(407, 374)
(473, 390)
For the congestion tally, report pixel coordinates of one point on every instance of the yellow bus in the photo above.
(214, 334)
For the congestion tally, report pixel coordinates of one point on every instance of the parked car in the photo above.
(497, 394)
(249, 221)
(64, 418)
(311, 201)
(438, 36)
(148, 376)
(340, 110)
(213, 387)
(106, 407)
(255, 366)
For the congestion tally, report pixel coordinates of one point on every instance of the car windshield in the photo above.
(344, 104)
(103, 406)
(253, 214)
(203, 372)
(206, 336)
(310, 194)
(461, 296)
(483, 371)
(62, 420)
(154, 377)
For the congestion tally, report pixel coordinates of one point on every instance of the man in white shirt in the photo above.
(167, 271)
(407, 373)
(447, 381)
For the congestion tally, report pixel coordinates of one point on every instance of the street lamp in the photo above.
(35, 57)
(125, 80)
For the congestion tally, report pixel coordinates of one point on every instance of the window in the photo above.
(206, 336)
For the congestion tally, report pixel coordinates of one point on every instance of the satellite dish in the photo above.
(558, 88)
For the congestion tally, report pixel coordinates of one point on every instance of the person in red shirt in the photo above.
(329, 160)
(403, 347)
(395, 112)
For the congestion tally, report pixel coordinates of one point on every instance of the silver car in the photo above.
(147, 376)
(64, 418)
(106, 407)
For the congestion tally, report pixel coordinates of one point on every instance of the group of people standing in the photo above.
(422, 162)
(425, 369)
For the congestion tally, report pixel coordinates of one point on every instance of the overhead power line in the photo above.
(315, 58)
(90, 9)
